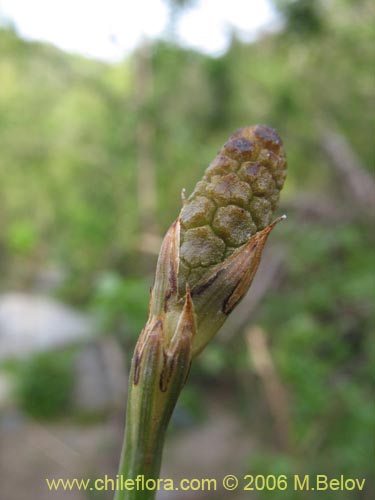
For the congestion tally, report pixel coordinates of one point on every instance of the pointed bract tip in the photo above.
(269, 228)
(183, 196)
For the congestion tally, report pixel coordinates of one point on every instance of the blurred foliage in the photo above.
(121, 305)
(70, 198)
(68, 168)
(303, 17)
(322, 341)
(45, 384)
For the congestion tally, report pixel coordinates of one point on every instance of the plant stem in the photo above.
(158, 374)
(142, 451)
(202, 273)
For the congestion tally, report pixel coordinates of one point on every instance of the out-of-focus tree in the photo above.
(302, 16)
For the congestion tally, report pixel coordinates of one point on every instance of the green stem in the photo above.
(157, 376)
(142, 450)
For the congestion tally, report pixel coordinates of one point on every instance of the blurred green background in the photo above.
(93, 159)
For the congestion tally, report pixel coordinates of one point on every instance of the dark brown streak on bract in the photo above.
(243, 284)
(137, 366)
(201, 288)
(165, 376)
(172, 288)
(228, 306)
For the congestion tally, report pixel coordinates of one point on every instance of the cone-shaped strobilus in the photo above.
(206, 264)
